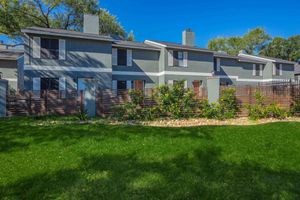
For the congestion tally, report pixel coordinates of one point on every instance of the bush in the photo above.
(295, 108)
(259, 110)
(228, 104)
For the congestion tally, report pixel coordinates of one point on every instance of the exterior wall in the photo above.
(9, 70)
(150, 81)
(189, 79)
(142, 61)
(287, 72)
(81, 53)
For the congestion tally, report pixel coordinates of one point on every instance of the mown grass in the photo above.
(99, 161)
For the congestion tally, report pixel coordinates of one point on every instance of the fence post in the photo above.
(81, 101)
(213, 89)
(3, 93)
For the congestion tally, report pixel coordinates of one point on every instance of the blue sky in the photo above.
(166, 19)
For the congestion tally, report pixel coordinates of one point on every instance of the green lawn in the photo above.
(98, 161)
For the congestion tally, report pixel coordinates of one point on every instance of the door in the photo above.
(138, 84)
(88, 86)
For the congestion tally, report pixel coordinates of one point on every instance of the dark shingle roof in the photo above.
(133, 45)
(180, 46)
(66, 33)
(239, 58)
(277, 60)
(10, 54)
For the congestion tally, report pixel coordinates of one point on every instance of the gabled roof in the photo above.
(10, 54)
(66, 33)
(133, 45)
(174, 45)
(265, 58)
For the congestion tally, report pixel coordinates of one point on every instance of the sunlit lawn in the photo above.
(99, 161)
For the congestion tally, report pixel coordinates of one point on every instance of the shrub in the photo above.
(228, 104)
(259, 110)
(82, 115)
(295, 108)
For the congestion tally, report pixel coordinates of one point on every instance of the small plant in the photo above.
(259, 110)
(82, 115)
(228, 104)
(295, 108)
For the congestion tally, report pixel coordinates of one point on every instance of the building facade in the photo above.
(61, 60)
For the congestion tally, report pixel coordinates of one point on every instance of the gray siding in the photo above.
(287, 72)
(9, 70)
(142, 61)
(81, 53)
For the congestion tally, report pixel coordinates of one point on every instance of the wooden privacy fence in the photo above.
(72, 102)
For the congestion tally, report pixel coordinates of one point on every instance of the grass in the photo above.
(99, 161)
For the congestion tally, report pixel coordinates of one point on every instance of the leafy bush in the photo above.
(295, 108)
(228, 104)
(82, 115)
(259, 110)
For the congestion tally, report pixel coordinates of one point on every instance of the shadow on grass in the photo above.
(22, 132)
(198, 175)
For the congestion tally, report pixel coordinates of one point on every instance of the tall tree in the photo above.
(287, 49)
(64, 14)
(251, 42)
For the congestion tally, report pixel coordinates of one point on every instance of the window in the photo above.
(277, 70)
(178, 58)
(121, 85)
(49, 83)
(257, 70)
(49, 48)
(122, 57)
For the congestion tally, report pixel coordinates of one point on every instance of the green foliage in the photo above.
(251, 42)
(287, 49)
(228, 104)
(130, 36)
(82, 115)
(260, 110)
(63, 14)
(295, 108)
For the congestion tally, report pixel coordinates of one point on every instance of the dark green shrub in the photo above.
(295, 108)
(259, 110)
(228, 104)
(82, 115)
(274, 111)
(136, 96)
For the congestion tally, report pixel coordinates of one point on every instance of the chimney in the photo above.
(91, 24)
(188, 37)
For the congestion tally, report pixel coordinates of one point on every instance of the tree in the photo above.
(251, 42)
(287, 49)
(130, 36)
(63, 14)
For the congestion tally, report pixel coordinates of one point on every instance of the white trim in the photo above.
(170, 58)
(10, 79)
(69, 69)
(185, 59)
(260, 70)
(62, 49)
(114, 56)
(129, 58)
(255, 57)
(180, 73)
(218, 64)
(250, 80)
(280, 69)
(154, 43)
(36, 47)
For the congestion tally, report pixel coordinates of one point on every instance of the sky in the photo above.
(166, 19)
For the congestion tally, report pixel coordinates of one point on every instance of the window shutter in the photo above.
(36, 47)
(260, 70)
(274, 69)
(170, 82)
(280, 69)
(62, 49)
(129, 58)
(185, 59)
(114, 57)
(218, 64)
(62, 83)
(114, 84)
(128, 85)
(36, 83)
(254, 70)
(170, 58)
(185, 84)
